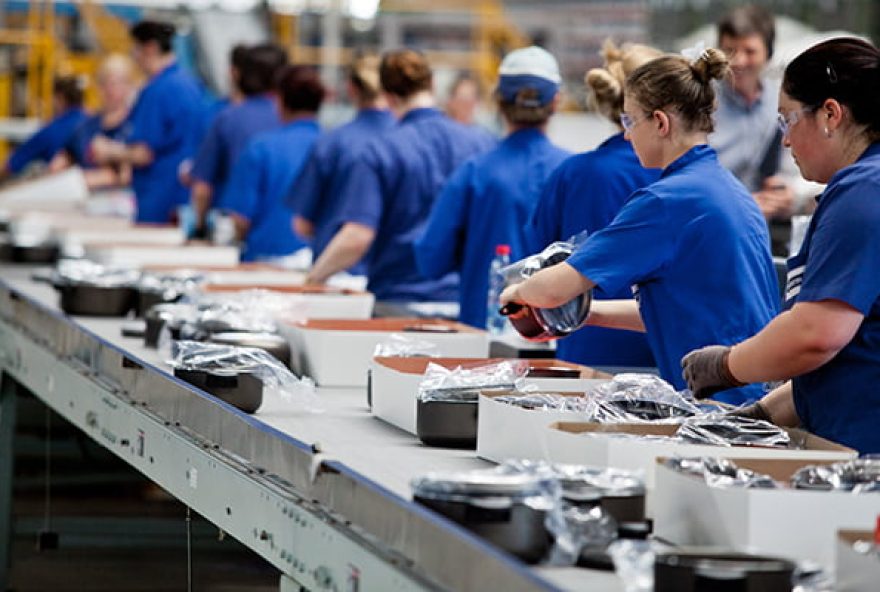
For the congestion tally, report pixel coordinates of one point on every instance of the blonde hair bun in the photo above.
(711, 65)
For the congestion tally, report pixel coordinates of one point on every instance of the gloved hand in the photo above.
(754, 411)
(706, 371)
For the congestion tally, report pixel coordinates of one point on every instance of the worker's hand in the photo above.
(103, 150)
(312, 280)
(706, 371)
(776, 198)
(754, 411)
(304, 228)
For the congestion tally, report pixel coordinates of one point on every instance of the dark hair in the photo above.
(160, 32)
(238, 56)
(404, 72)
(845, 69)
(300, 88)
(522, 111)
(70, 89)
(749, 20)
(674, 82)
(260, 67)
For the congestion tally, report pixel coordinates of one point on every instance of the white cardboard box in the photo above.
(856, 572)
(140, 234)
(337, 352)
(797, 524)
(244, 274)
(140, 255)
(394, 383)
(65, 187)
(568, 442)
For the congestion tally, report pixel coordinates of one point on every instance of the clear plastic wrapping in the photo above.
(83, 272)
(224, 359)
(403, 346)
(464, 384)
(636, 398)
(546, 402)
(255, 311)
(634, 564)
(857, 476)
(732, 430)
(722, 473)
(172, 284)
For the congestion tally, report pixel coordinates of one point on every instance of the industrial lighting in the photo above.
(362, 9)
(237, 5)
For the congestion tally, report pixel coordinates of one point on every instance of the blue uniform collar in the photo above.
(421, 113)
(372, 112)
(169, 70)
(615, 140)
(698, 152)
(872, 150)
(526, 136)
(307, 123)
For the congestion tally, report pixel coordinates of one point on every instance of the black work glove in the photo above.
(754, 411)
(706, 371)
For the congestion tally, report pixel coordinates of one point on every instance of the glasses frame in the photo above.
(628, 122)
(786, 121)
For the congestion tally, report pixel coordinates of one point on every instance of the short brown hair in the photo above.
(523, 111)
(363, 72)
(300, 88)
(673, 82)
(749, 20)
(404, 72)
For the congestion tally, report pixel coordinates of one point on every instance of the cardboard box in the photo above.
(856, 572)
(310, 302)
(141, 234)
(394, 383)
(139, 255)
(569, 442)
(798, 524)
(337, 352)
(243, 274)
(50, 190)
(507, 431)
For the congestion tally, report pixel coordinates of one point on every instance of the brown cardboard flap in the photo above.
(254, 267)
(419, 365)
(583, 427)
(853, 536)
(283, 289)
(400, 325)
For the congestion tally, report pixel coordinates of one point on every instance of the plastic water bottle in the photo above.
(495, 321)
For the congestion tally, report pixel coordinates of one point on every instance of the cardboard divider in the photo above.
(416, 326)
(799, 524)
(283, 289)
(419, 365)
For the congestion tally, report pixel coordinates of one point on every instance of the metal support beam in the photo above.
(8, 390)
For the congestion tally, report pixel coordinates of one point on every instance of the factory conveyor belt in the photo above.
(323, 497)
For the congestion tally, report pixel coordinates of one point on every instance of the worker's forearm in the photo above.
(616, 314)
(348, 247)
(550, 288)
(787, 347)
(200, 198)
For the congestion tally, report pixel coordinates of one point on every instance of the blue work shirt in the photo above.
(486, 203)
(259, 183)
(840, 260)
(696, 249)
(78, 145)
(392, 188)
(227, 137)
(166, 117)
(586, 192)
(316, 193)
(46, 143)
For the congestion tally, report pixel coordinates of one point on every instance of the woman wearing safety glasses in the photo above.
(827, 341)
(693, 245)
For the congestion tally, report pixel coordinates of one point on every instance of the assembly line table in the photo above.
(324, 497)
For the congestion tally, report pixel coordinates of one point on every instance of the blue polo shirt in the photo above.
(167, 117)
(585, 193)
(392, 188)
(78, 145)
(485, 203)
(46, 143)
(840, 260)
(317, 191)
(696, 249)
(259, 182)
(226, 138)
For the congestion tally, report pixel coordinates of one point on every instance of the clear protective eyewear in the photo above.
(628, 122)
(786, 121)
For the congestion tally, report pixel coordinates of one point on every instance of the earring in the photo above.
(827, 133)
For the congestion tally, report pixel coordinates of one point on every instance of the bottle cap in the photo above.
(502, 250)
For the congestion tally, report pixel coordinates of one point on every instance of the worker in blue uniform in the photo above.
(67, 97)
(117, 91)
(163, 126)
(693, 244)
(487, 201)
(267, 167)
(235, 125)
(393, 185)
(585, 193)
(315, 196)
(826, 343)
